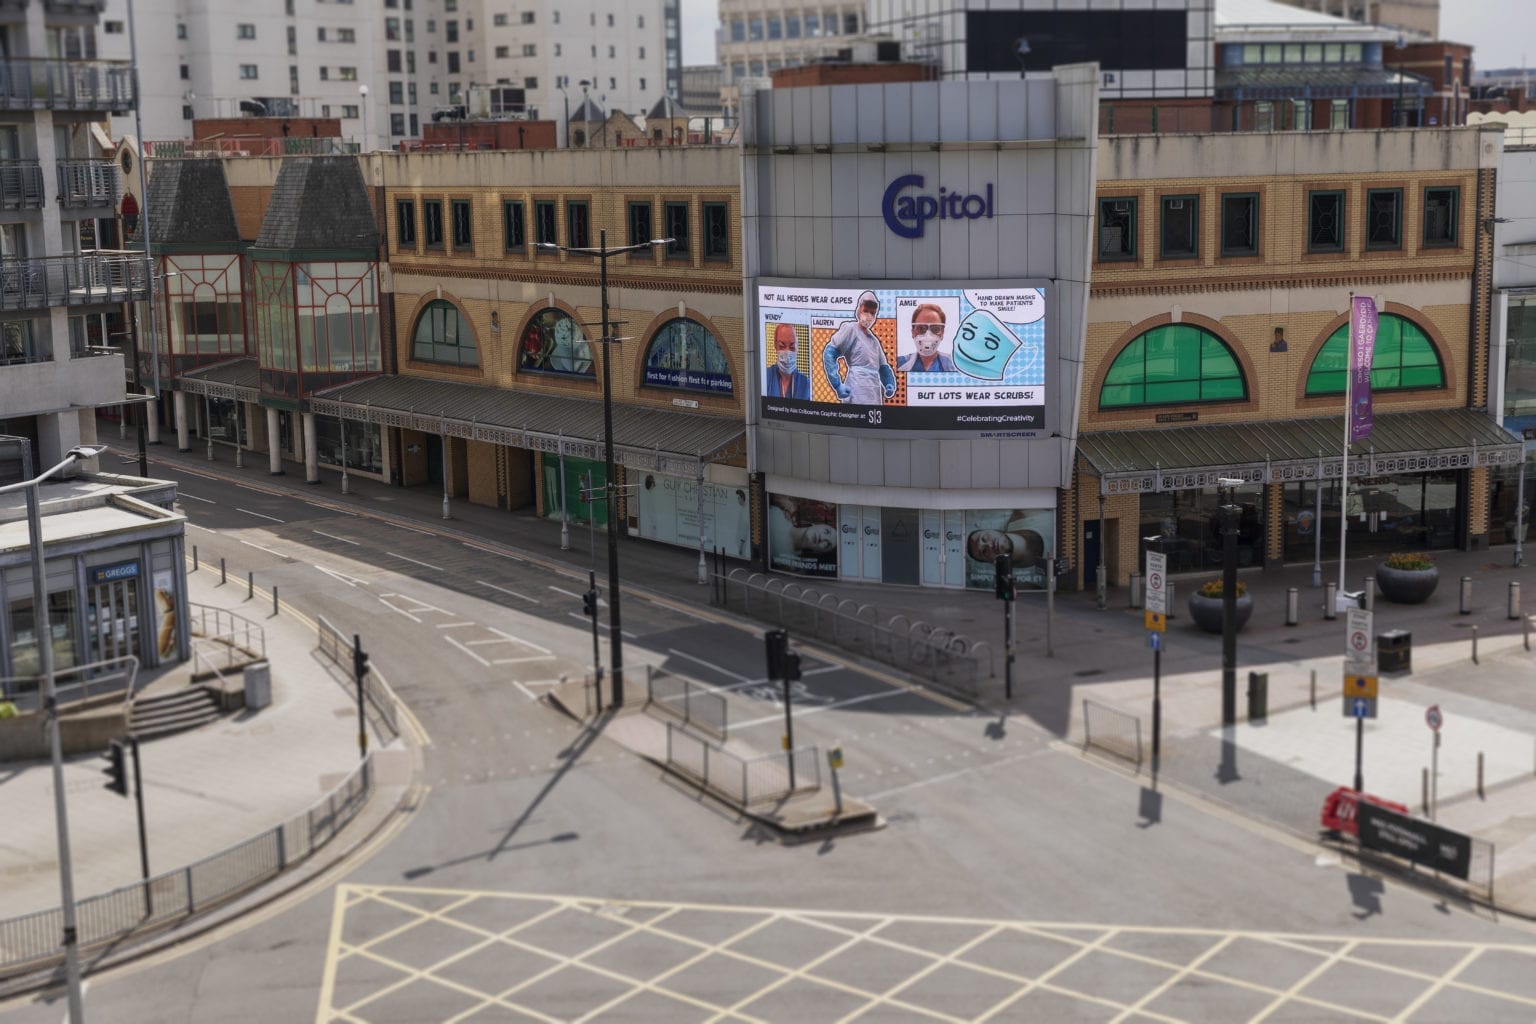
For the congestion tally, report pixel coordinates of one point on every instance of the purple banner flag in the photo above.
(1362, 347)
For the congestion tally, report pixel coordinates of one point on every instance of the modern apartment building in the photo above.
(758, 37)
(1416, 16)
(63, 274)
(385, 69)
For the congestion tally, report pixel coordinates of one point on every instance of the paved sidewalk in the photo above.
(1285, 766)
(204, 790)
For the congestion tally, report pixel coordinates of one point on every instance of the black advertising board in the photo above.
(1420, 842)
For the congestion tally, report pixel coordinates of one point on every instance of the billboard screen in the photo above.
(962, 357)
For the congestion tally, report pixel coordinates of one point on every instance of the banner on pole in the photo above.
(1362, 347)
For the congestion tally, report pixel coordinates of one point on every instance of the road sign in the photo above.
(1359, 684)
(1156, 622)
(835, 757)
(1155, 641)
(1433, 718)
(1359, 707)
(1359, 642)
(1157, 586)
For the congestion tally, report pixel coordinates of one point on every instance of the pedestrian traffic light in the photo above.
(776, 642)
(116, 770)
(589, 603)
(791, 666)
(1002, 569)
(359, 663)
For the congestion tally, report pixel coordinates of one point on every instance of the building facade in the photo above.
(758, 37)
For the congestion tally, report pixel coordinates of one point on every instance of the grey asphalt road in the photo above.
(548, 875)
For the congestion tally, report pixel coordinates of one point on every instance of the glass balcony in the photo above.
(99, 276)
(21, 185)
(93, 7)
(66, 85)
(84, 183)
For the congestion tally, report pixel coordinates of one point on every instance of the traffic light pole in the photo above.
(360, 669)
(138, 799)
(597, 657)
(1002, 581)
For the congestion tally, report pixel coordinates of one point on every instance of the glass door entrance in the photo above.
(112, 617)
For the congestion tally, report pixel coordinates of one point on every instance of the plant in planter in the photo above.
(1407, 577)
(1206, 602)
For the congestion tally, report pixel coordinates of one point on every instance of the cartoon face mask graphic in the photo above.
(983, 345)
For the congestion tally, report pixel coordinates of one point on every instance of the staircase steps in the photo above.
(175, 711)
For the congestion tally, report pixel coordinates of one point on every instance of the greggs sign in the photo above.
(906, 214)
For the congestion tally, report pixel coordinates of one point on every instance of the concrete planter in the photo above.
(1406, 586)
(1206, 611)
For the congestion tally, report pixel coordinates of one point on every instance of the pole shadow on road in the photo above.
(1150, 807)
(1365, 892)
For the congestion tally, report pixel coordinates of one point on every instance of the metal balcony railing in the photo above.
(103, 275)
(74, 6)
(171, 149)
(21, 185)
(66, 85)
(87, 183)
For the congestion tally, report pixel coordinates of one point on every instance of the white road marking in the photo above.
(459, 625)
(258, 547)
(947, 776)
(567, 593)
(351, 581)
(602, 625)
(205, 501)
(518, 640)
(511, 593)
(406, 558)
(412, 529)
(332, 536)
(467, 651)
(526, 692)
(823, 707)
(708, 664)
(248, 487)
(260, 515)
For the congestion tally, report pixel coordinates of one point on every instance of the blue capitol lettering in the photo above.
(906, 215)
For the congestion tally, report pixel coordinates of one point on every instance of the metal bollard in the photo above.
(250, 585)
(1514, 599)
(1370, 593)
(1330, 600)
(1135, 588)
(1480, 775)
(1292, 600)
(223, 573)
(1466, 595)
(1525, 628)
(1474, 645)
(194, 558)
(1168, 586)
(1313, 689)
(274, 600)
(1424, 789)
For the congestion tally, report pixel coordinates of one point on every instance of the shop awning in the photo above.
(659, 439)
(1181, 458)
(236, 380)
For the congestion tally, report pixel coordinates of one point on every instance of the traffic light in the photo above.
(791, 666)
(116, 770)
(359, 663)
(589, 603)
(776, 642)
(1002, 570)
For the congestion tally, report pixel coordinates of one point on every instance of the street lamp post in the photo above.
(362, 91)
(42, 631)
(1229, 516)
(602, 253)
(565, 126)
(1397, 112)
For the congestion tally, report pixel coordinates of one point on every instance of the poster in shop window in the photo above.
(669, 512)
(802, 535)
(1027, 535)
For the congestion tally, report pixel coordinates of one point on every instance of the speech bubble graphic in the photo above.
(1013, 306)
(983, 346)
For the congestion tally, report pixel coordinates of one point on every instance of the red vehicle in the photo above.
(1340, 807)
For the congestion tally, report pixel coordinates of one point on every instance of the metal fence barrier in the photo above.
(947, 659)
(693, 702)
(740, 781)
(1112, 731)
(337, 646)
(74, 684)
(31, 942)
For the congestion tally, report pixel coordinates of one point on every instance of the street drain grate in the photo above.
(1089, 672)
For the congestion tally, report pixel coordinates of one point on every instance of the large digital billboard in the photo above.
(962, 357)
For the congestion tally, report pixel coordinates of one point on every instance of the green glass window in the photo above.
(1174, 364)
(1404, 359)
(443, 336)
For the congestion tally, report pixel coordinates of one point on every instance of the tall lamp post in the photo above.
(1397, 112)
(362, 90)
(42, 631)
(602, 252)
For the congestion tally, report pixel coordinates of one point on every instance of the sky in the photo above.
(1500, 29)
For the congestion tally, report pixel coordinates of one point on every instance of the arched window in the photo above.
(683, 354)
(1175, 364)
(443, 336)
(1404, 358)
(553, 343)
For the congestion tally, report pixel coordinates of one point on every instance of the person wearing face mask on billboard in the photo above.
(785, 380)
(869, 379)
(927, 336)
